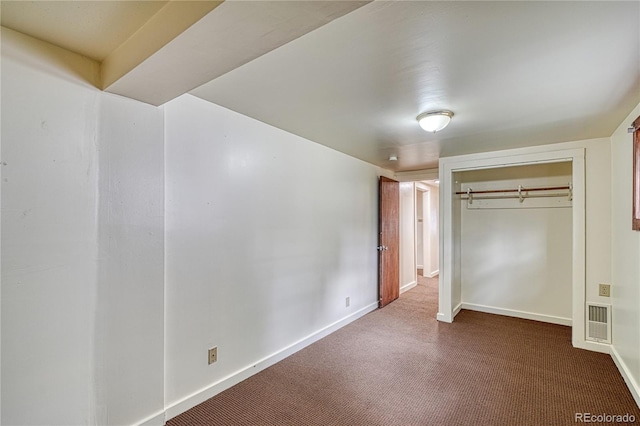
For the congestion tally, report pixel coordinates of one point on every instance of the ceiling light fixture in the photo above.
(434, 121)
(393, 158)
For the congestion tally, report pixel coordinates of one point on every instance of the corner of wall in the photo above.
(625, 252)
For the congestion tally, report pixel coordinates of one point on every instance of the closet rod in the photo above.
(493, 191)
(505, 197)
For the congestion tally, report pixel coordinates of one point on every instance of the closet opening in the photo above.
(513, 228)
(517, 252)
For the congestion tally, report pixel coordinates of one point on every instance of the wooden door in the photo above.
(389, 241)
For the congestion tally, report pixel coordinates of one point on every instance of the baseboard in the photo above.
(225, 383)
(457, 309)
(434, 273)
(409, 286)
(626, 375)
(517, 314)
(589, 345)
(444, 317)
(157, 419)
(419, 266)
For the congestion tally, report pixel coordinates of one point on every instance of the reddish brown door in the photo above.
(389, 241)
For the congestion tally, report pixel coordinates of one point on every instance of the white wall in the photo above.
(130, 321)
(407, 235)
(266, 235)
(82, 258)
(49, 237)
(518, 256)
(625, 255)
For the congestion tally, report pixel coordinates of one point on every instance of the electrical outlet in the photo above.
(347, 301)
(213, 355)
(604, 290)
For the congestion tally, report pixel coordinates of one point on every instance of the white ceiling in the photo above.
(353, 76)
(514, 73)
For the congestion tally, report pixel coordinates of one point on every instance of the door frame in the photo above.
(449, 295)
(425, 191)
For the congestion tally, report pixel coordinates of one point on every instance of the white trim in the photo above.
(225, 383)
(589, 345)
(156, 419)
(513, 157)
(457, 310)
(408, 286)
(419, 266)
(443, 318)
(626, 375)
(434, 273)
(517, 314)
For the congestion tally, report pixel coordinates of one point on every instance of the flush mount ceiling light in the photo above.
(434, 121)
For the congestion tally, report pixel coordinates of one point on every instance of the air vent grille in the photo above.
(599, 323)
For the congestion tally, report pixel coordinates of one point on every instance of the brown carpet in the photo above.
(399, 366)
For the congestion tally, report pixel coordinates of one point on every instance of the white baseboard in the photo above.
(626, 375)
(420, 267)
(456, 310)
(589, 345)
(434, 273)
(225, 383)
(157, 419)
(444, 317)
(409, 286)
(517, 314)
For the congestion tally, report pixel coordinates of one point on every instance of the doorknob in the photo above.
(382, 248)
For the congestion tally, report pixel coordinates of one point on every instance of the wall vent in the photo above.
(599, 322)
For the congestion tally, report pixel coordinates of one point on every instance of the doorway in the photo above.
(419, 233)
(427, 248)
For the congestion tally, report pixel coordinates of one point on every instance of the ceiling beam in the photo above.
(228, 36)
(169, 22)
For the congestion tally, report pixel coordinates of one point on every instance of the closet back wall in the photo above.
(516, 256)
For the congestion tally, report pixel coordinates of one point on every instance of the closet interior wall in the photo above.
(515, 256)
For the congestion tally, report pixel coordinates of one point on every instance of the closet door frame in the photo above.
(450, 295)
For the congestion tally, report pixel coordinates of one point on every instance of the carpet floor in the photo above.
(399, 366)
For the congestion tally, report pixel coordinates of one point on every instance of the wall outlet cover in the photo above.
(604, 290)
(213, 355)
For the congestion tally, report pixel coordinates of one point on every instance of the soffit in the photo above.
(91, 28)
